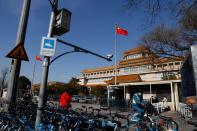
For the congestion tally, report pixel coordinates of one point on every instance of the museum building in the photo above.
(138, 70)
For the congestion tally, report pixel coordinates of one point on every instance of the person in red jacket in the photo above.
(65, 100)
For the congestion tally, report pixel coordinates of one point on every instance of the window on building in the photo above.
(126, 70)
(177, 63)
(143, 68)
(134, 56)
(159, 67)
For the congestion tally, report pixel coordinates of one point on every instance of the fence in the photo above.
(168, 124)
(125, 105)
(116, 104)
(185, 110)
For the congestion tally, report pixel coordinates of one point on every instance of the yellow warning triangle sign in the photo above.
(18, 53)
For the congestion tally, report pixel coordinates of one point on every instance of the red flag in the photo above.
(121, 31)
(38, 58)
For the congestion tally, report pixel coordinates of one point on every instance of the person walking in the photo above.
(65, 100)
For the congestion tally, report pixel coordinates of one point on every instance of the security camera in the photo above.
(109, 56)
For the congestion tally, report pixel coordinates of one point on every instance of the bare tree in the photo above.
(169, 42)
(165, 42)
(154, 8)
(3, 79)
(188, 24)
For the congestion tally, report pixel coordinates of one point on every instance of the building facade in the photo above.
(139, 69)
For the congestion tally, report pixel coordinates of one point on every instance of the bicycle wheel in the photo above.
(144, 125)
(161, 128)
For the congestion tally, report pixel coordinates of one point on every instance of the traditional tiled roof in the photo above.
(170, 59)
(96, 85)
(136, 50)
(125, 79)
(147, 58)
(106, 68)
(135, 62)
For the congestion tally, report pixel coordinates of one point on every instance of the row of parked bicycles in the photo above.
(21, 117)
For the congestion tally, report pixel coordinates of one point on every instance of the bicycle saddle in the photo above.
(104, 108)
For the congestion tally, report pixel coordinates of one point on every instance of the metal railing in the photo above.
(116, 104)
(167, 123)
(185, 110)
(125, 105)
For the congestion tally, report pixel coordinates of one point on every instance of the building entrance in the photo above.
(119, 93)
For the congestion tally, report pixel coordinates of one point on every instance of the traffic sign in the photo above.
(18, 53)
(48, 46)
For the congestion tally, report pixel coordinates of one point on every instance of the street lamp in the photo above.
(109, 56)
(68, 52)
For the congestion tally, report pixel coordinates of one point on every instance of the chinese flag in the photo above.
(121, 31)
(38, 58)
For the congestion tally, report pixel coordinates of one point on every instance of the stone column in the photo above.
(127, 96)
(172, 97)
(108, 92)
(176, 94)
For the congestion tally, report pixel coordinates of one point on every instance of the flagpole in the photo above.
(115, 52)
(33, 78)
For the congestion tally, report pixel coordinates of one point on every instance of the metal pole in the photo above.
(124, 92)
(32, 82)
(46, 63)
(115, 41)
(15, 69)
(150, 93)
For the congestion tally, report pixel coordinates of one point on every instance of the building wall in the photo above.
(135, 61)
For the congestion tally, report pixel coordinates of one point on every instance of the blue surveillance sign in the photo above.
(48, 46)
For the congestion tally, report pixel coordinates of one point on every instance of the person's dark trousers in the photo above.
(138, 109)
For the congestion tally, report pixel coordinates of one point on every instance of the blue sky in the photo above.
(92, 28)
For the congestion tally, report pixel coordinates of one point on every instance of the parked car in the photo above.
(76, 98)
(82, 100)
(90, 99)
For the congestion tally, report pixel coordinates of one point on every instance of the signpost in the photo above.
(47, 49)
(18, 53)
(15, 67)
(48, 46)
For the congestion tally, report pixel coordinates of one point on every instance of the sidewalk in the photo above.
(183, 126)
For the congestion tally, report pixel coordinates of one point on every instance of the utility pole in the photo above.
(15, 67)
(59, 24)
(46, 63)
